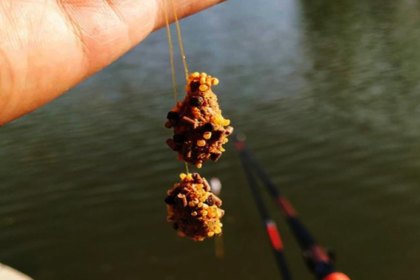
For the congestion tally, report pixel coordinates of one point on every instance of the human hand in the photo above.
(48, 46)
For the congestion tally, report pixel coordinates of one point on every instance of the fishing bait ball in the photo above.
(199, 127)
(193, 210)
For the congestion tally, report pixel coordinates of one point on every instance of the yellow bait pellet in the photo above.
(215, 81)
(219, 119)
(207, 135)
(201, 143)
(203, 88)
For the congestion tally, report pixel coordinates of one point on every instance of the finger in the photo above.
(86, 36)
(109, 28)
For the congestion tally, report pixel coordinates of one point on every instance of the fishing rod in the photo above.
(319, 262)
(269, 224)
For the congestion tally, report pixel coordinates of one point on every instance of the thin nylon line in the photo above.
(181, 45)
(171, 51)
(171, 56)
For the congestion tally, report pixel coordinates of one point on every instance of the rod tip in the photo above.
(336, 276)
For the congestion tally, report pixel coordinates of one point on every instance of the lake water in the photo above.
(328, 93)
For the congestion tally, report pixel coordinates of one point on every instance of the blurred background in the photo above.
(328, 95)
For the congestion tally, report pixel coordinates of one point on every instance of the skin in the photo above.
(48, 46)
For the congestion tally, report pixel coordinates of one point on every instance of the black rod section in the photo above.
(316, 258)
(269, 224)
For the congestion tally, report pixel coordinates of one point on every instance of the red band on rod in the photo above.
(240, 145)
(287, 207)
(274, 235)
(319, 254)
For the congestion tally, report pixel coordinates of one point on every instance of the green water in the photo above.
(328, 95)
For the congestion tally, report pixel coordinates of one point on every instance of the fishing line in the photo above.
(199, 133)
(171, 52)
(181, 45)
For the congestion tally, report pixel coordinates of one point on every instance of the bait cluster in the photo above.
(199, 127)
(199, 134)
(193, 209)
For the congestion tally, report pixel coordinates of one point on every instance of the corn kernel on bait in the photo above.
(199, 127)
(193, 210)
